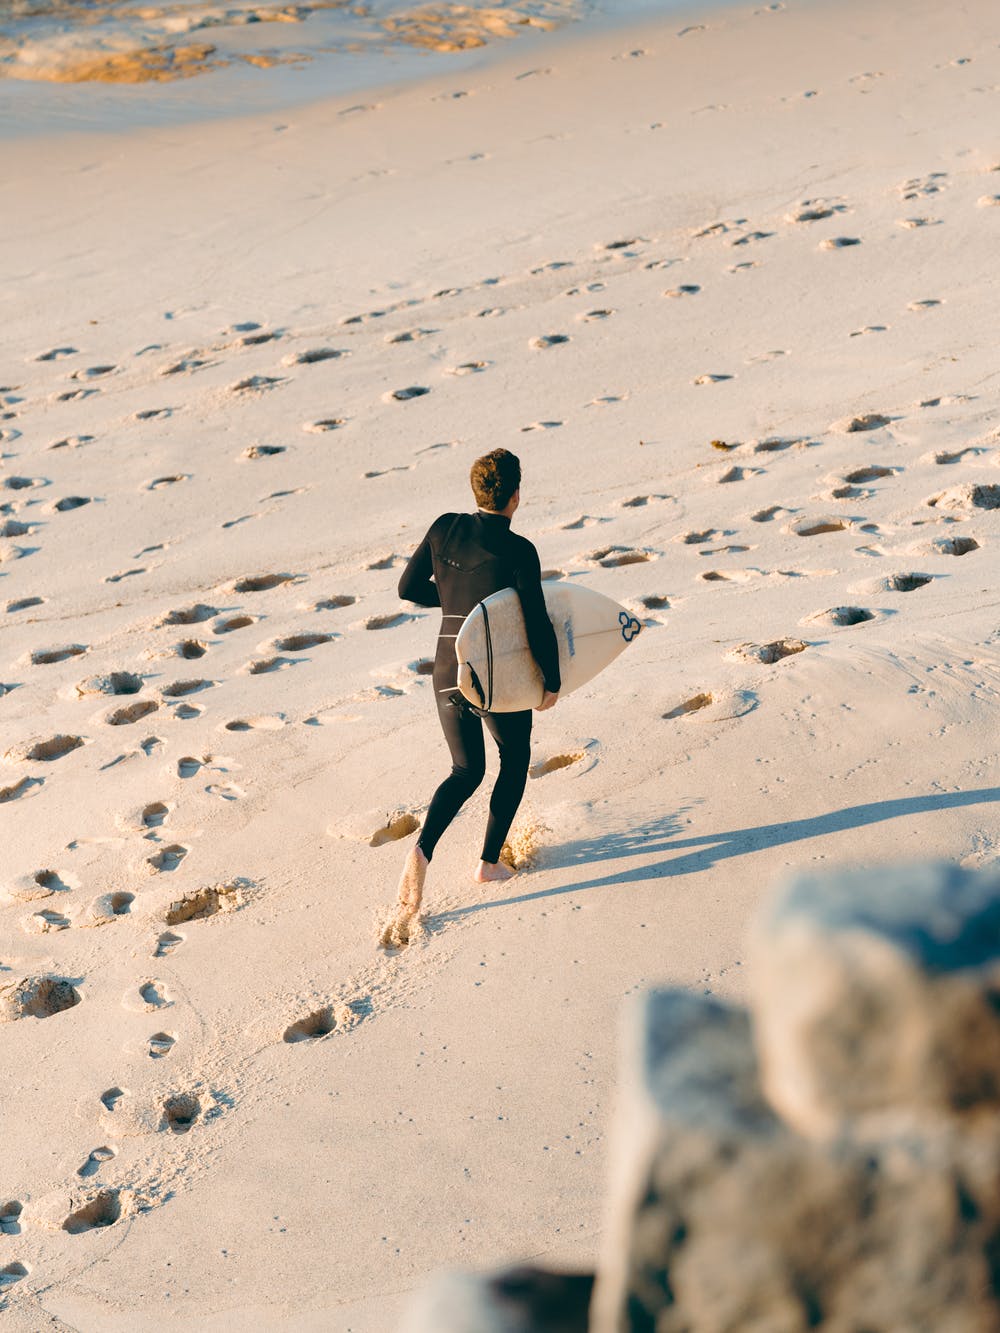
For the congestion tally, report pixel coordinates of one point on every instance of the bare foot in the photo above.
(489, 872)
(411, 882)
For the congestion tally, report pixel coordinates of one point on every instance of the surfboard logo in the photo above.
(630, 626)
(568, 631)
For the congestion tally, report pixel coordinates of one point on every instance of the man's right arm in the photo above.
(415, 582)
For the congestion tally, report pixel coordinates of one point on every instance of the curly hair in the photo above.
(495, 477)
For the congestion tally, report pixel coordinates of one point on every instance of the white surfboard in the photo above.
(496, 670)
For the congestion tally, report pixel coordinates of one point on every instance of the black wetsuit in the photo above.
(471, 556)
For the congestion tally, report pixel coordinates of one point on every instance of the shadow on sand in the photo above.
(688, 856)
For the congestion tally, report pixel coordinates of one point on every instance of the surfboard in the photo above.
(496, 670)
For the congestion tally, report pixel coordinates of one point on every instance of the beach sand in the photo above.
(767, 228)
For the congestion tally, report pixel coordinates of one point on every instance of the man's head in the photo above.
(495, 478)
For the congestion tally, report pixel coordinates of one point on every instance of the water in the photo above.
(94, 64)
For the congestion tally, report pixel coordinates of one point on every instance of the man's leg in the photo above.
(464, 734)
(512, 733)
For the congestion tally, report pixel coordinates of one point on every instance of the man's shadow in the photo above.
(687, 856)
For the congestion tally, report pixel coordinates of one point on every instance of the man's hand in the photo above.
(549, 700)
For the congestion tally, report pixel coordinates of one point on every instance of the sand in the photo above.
(727, 285)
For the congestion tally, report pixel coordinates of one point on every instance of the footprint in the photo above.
(50, 881)
(766, 653)
(686, 289)
(37, 997)
(261, 583)
(726, 576)
(130, 713)
(205, 902)
(814, 527)
(10, 1215)
(549, 340)
(188, 615)
(692, 705)
(11, 1273)
(541, 425)
(94, 1162)
(155, 814)
(48, 656)
(27, 786)
(188, 766)
(112, 1097)
(863, 422)
(839, 616)
(400, 824)
(56, 354)
(191, 649)
(166, 944)
(255, 451)
(923, 305)
(404, 395)
(767, 514)
(870, 472)
(259, 723)
(167, 859)
(158, 483)
(97, 1210)
(324, 424)
(870, 328)
(154, 995)
(387, 621)
(340, 1017)
(45, 751)
(256, 384)
(697, 538)
(424, 666)
(714, 378)
(44, 922)
(297, 643)
(312, 356)
(557, 761)
(655, 602)
(233, 623)
(124, 574)
(611, 557)
(839, 242)
(955, 545)
(228, 792)
(265, 665)
(180, 688)
(180, 1112)
(906, 582)
(23, 603)
(161, 1044)
(153, 414)
(333, 603)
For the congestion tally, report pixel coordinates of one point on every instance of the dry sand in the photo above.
(211, 473)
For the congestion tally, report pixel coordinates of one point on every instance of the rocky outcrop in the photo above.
(828, 1158)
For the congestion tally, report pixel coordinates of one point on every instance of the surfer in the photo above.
(462, 559)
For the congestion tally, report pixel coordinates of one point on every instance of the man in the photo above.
(470, 556)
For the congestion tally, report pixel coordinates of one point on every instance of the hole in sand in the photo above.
(93, 1163)
(121, 903)
(396, 827)
(166, 943)
(692, 705)
(152, 994)
(552, 765)
(111, 1098)
(423, 667)
(768, 653)
(203, 903)
(122, 717)
(180, 1112)
(191, 649)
